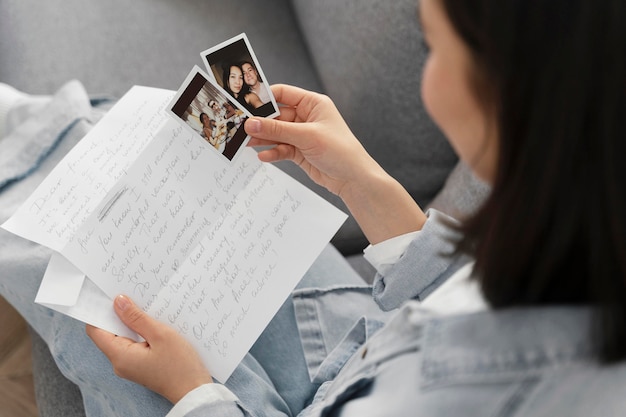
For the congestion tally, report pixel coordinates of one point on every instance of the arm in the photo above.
(311, 132)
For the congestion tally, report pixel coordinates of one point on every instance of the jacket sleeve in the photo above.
(429, 260)
(209, 399)
(219, 409)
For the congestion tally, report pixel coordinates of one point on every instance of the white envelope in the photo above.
(67, 290)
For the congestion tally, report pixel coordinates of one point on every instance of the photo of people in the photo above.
(209, 112)
(235, 68)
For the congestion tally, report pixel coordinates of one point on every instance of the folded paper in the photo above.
(141, 207)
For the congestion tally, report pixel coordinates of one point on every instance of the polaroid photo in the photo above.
(234, 66)
(208, 112)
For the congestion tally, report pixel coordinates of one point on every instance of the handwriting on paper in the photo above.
(211, 249)
(74, 188)
(207, 248)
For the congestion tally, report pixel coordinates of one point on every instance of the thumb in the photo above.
(135, 318)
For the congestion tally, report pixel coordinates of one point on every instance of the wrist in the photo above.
(381, 206)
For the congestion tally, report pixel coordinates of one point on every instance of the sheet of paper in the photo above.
(69, 194)
(209, 248)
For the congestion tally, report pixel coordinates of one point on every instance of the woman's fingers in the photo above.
(279, 152)
(276, 130)
(111, 345)
(289, 95)
(136, 319)
(166, 363)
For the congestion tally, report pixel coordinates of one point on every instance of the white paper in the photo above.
(61, 283)
(209, 248)
(89, 305)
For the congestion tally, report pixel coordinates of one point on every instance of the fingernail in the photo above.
(253, 126)
(122, 302)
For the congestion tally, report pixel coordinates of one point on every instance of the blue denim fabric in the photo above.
(516, 362)
(428, 263)
(333, 323)
(279, 350)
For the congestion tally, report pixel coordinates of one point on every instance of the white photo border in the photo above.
(189, 92)
(222, 48)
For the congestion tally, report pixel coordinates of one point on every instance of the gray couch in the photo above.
(365, 54)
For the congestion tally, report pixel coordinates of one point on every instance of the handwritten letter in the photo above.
(211, 249)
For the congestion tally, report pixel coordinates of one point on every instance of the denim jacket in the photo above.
(510, 362)
(533, 362)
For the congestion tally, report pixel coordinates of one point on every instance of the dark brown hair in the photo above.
(553, 230)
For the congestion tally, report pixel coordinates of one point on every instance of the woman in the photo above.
(540, 314)
(235, 86)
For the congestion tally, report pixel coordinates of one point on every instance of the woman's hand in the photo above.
(311, 132)
(165, 363)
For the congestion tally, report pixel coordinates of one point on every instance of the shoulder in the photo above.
(252, 97)
(514, 362)
(529, 359)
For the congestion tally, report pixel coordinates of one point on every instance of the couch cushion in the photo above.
(111, 45)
